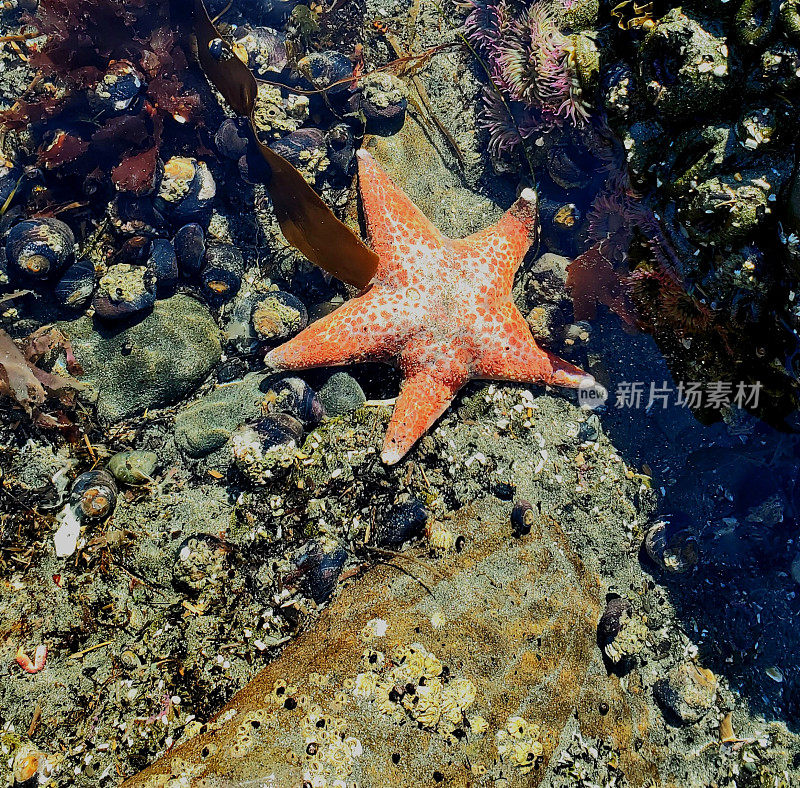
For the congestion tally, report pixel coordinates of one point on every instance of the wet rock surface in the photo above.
(149, 364)
(206, 425)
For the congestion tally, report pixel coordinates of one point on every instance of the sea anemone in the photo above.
(535, 62)
(530, 62)
(496, 118)
(659, 291)
(486, 25)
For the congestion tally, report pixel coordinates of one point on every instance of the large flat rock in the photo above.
(510, 622)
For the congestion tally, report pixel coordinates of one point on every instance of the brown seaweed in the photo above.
(305, 220)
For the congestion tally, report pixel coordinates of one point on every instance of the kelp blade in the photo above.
(305, 220)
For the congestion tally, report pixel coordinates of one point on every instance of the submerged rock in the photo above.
(473, 668)
(147, 365)
(687, 693)
(341, 393)
(206, 425)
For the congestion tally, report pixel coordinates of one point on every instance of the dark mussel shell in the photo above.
(190, 247)
(232, 138)
(76, 285)
(327, 69)
(403, 522)
(221, 276)
(277, 316)
(164, 265)
(187, 189)
(94, 494)
(8, 184)
(279, 429)
(341, 148)
(322, 575)
(295, 397)
(124, 291)
(39, 248)
(676, 550)
(264, 50)
(118, 89)
(253, 168)
(305, 149)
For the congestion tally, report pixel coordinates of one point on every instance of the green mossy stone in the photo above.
(341, 394)
(205, 425)
(149, 364)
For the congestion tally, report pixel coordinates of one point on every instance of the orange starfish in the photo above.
(439, 307)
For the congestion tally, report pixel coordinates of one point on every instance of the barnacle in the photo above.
(520, 743)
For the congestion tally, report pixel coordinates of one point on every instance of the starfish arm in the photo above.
(396, 228)
(423, 398)
(360, 330)
(510, 353)
(501, 247)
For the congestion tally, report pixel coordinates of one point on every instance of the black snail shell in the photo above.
(164, 265)
(523, 517)
(39, 248)
(216, 48)
(610, 622)
(190, 247)
(94, 494)
(131, 215)
(118, 89)
(403, 522)
(221, 276)
(187, 189)
(76, 285)
(383, 100)
(341, 148)
(277, 316)
(327, 69)
(125, 290)
(295, 397)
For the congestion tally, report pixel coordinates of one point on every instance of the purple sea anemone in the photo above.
(496, 118)
(535, 60)
(530, 61)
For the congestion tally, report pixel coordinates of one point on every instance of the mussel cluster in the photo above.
(266, 449)
(330, 94)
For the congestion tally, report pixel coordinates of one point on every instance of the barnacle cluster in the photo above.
(275, 115)
(261, 458)
(414, 684)
(520, 742)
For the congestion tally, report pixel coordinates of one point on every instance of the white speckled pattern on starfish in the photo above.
(440, 308)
